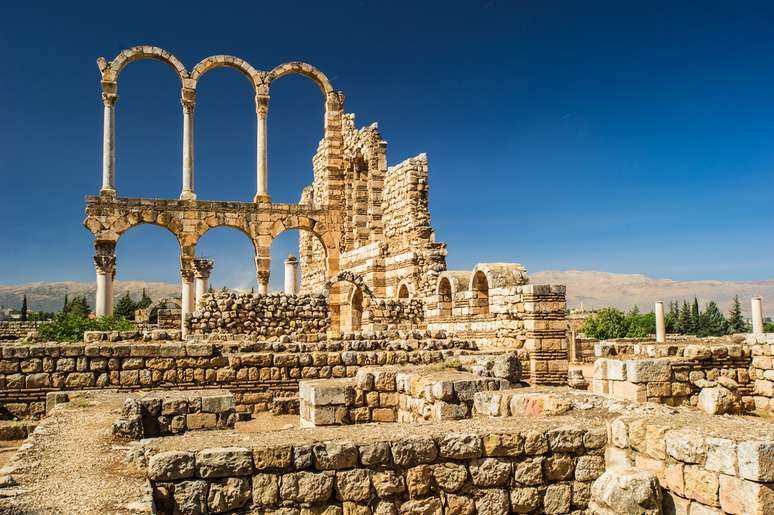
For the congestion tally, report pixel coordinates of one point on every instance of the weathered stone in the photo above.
(756, 461)
(427, 506)
(306, 487)
(265, 489)
(387, 483)
(450, 477)
(334, 455)
(171, 465)
(626, 491)
(228, 494)
(557, 498)
(374, 454)
(353, 485)
(565, 440)
(589, 468)
(413, 451)
(529, 472)
(742, 497)
(701, 485)
(718, 400)
(489, 472)
(524, 500)
(418, 480)
(191, 497)
(459, 446)
(272, 458)
(492, 502)
(223, 462)
(686, 445)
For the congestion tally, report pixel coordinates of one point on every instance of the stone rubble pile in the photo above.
(271, 315)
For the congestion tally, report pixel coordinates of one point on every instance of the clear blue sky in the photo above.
(633, 137)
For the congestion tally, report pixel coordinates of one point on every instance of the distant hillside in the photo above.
(50, 296)
(600, 289)
(589, 289)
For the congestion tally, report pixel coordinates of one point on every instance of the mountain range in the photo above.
(585, 289)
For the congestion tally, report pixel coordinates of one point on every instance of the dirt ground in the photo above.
(72, 465)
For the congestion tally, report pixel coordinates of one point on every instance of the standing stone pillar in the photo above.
(291, 275)
(262, 111)
(202, 270)
(187, 302)
(660, 326)
(263, 282)
(188, 100)
(757, 315)
(109, 98)
(105, 265)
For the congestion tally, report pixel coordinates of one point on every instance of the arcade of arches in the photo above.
(359, 217)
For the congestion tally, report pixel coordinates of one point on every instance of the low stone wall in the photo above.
(14, 330)
(675, 380)
(389, 394)
(155, 415)
(514, 470)
(276, 314)
(394, 314)
(762, 370)
(700, 471)
(255, 372)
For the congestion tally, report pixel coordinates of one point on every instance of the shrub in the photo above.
(69, 327)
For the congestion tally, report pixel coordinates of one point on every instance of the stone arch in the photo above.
(111, 70)
(349, 277)
(226, 61)
(121, 224)
(404, 291)
(215, 222)
(445, 297)
(144, 315)
(479, 288)
(356, 309)
(301, 68)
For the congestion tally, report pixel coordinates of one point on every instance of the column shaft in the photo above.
(291, 275)
(109, 148)
(660, 325)
(100, 307)
(105, 264)
(187, 300)
(188, 192)
(262, 174)
(757, 315)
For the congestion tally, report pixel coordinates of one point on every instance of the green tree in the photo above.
(69, 327)
(713, 323)
(64, 306)
(695, 317)
(640, 325)
(736, 322)
(24, 309)
(605, 324)
(684, 321)
(144, 301)
(77, 306)
(125, 307)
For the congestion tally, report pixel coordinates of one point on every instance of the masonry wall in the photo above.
(257, 373)
(13, 330)
(515, 470)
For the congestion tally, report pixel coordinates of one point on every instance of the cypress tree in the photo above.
(696, 320)
(64, 308)
(125, 307)
(144, 301)
(736, 322)
(684, 322)
(713, 323)
(24, 309)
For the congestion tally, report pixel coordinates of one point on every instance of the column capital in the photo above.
(262, 105)
(262, 276)
(187, 274)
(105, 265)
(188, 99)
(202, 267)
(109, 92)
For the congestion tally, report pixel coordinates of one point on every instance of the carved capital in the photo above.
(187, 274)
(262, 276)
(105, 247)
(109, 93)
(262, 105)
(188, 99)
(202, 267)
(105, 264)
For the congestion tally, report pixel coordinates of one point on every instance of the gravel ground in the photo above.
(69, 465)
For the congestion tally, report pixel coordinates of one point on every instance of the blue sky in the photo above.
(632, 137)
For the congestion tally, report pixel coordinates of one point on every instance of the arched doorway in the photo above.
(356, 310)
(403, 292)
(444, 298)
(479, 302)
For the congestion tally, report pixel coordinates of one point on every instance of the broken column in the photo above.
(660, 327)
(757, 315)
(202, 270)
(105, 265)
(291, 275)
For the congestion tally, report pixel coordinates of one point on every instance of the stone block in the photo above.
(201, 421)
(229, 495)
(685, 445)
(334, 455)
(648, 370)
(223, 462)
(565, 439)
(272, 458)
(742, 497)
(306, 487)
(171, 465)
(353, 485)
(721, 456)
(489, 472)
(510, 445)
(756, 461)
(701, 485)
(461, 446)
(265, 490)
(413, 451)
(217, 403)
(387, 483)
(626, 491)
(450, 477)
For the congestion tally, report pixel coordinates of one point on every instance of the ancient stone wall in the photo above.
(255, 372)
(513, 470)
(231, 313)
(14, 330)
(762, 370)
(699, 470)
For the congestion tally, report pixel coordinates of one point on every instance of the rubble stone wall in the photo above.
(14, 330)
(762, 370)
(516, 470)
(698, 473)
(257, 373)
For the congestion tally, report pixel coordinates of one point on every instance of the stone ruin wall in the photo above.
(14, 330)
(257, 373)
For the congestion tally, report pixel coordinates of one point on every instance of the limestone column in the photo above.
(187, 302)
(202, 270)
(757, 315)
(291, 275)
(262, 111)
(660, 326)
(105, 265)
(109, 97)
(188, 100)
(263, 282)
